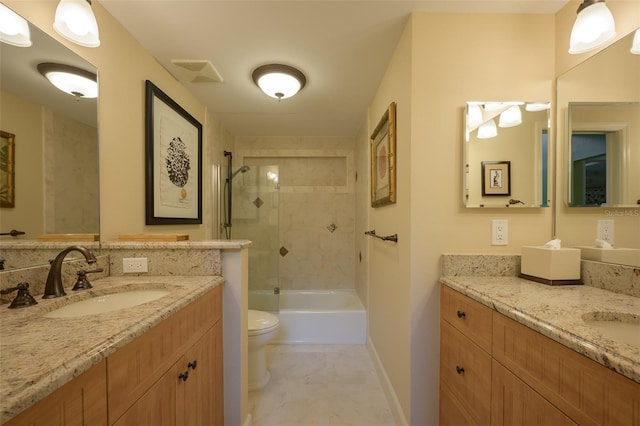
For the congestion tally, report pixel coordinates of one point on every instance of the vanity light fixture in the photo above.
(74, 81)
(14, 29)
(510, 117)
(488, 130)
(537, 106)
(593, 28)
(279, 81)
(76, 22)
(635, 47)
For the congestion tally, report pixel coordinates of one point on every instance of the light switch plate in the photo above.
(134, 265)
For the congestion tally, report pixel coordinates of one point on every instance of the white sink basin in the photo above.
(106, 303)
(616, 326)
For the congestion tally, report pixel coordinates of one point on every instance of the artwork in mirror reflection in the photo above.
(56, 149)
(514, 133)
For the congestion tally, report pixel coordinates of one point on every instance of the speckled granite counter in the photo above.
(556, 312)
(38, 354)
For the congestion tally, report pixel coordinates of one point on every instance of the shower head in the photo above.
(242, 169)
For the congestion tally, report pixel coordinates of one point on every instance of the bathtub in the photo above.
(321, 317)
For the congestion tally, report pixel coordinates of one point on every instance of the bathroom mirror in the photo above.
(598, 155)
(55, 148)
(506, 154)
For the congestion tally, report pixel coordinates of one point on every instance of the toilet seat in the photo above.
(260, 322)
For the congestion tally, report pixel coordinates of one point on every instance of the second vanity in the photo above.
(109, 367)
(514, 351)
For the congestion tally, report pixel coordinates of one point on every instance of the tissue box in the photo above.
(551, 265)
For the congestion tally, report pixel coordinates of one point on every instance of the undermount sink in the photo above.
(615, 325)
(106, 303)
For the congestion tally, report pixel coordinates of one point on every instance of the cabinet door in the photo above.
(200, 395)
(470, 317)
(157, 406)
(82, 401)
(515, 403)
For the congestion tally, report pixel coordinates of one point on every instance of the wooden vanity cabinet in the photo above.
(83, 401)
(171, 375)
(465, 360)
(533, 380)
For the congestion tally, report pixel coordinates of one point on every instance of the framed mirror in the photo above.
(598, 155)
(55, 149)
(506, 154)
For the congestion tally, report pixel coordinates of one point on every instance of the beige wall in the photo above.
(496, 57)
(17, 116)
(123, 68)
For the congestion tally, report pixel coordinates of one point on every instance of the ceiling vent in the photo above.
(196, 71)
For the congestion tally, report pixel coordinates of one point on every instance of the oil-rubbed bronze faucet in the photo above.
(54, 287)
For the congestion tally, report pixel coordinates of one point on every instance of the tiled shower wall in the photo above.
(316, 212)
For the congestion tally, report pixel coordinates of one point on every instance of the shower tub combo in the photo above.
(318, 316)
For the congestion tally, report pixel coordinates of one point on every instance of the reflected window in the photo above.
(589, 169)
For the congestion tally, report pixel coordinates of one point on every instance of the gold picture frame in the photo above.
(7, 169)
(383, 160)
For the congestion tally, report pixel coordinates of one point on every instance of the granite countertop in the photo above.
(38, 354)
(557, 312)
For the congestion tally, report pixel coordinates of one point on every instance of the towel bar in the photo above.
(393, 237)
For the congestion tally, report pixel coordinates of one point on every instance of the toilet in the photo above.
(263, 327)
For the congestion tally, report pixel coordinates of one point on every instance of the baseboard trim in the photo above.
(392, 398)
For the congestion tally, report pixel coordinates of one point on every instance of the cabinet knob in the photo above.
(193, 364)
(183, 376)
(459, 369)
(461, 314)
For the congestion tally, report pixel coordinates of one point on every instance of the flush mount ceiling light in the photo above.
(635, 47)
(593, 28)
(74, 81)
(279, 81)
(75, 21)
(14, 29)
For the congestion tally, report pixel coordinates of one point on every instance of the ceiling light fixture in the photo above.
(593, 28)
(635, 47)
(279, 81)
(76, 22)
(14, 29)
(74, 81)
(537, 106)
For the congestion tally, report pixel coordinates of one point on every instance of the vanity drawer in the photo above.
(589, 393)
(466, 369)
(470, 317)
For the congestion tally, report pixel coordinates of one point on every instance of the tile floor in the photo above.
(318, 385)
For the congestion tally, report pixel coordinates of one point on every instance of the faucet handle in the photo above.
(82, 283)
(23, 298)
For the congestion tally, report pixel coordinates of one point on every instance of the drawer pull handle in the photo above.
(193, 364)
(183, 376)
(459, 369)
(461, 314)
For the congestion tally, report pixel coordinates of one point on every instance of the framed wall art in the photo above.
(7, 169)
(496, 178)
(383, 160)
(173, 169)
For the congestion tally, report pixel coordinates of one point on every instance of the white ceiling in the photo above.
(343, 47)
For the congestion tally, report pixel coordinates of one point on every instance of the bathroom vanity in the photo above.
(517, 352)
(161, 359)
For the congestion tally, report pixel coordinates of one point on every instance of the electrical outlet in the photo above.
(134, 265)
(605, 231)
(499, 232)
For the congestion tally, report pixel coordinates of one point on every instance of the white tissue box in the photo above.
(551, 264)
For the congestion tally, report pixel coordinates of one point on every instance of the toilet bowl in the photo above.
(263, 327)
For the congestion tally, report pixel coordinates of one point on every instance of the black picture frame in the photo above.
(173, 161)
(496, 178)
